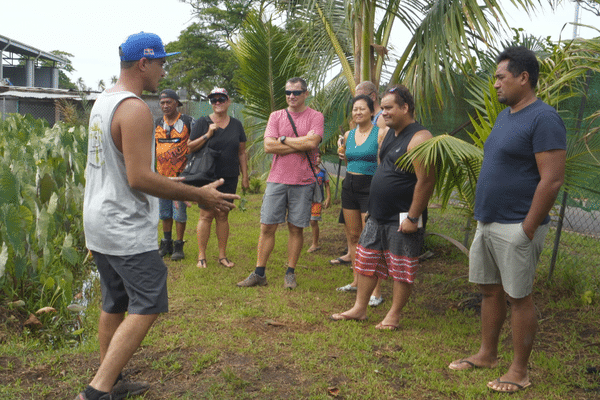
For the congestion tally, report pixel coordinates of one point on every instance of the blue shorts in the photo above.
(167, 210)
(280, 200)
(137, 283)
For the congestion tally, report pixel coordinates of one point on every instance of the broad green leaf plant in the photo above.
(41, 201)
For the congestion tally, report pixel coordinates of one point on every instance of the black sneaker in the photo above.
(107, 396)
(166, 247)
(124, 388)
(178, 250)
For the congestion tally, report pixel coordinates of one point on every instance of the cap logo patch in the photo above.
(148, 52)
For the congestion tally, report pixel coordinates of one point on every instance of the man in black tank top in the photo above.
(391, 242)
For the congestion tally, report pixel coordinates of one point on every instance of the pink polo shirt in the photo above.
(293, 169)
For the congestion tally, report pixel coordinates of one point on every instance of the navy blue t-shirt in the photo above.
(509, 174)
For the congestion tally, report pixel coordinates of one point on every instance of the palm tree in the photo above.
(353, 37)
(263, 52)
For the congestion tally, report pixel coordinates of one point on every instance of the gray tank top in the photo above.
(117, 219)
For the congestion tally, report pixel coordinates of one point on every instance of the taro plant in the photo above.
(41, 201)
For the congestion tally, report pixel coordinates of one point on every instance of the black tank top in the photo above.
(392, 188)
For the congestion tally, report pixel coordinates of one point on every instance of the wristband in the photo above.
(413, 220)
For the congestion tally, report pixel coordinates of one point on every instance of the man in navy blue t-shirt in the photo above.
(522, 172)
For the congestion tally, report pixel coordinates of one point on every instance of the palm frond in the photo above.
(445, 41)
(457, 165)
(267, 58)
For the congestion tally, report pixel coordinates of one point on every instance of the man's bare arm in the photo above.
(304, 143)
(272, 145)
(424, 186)
(291, 144)
(551, 165)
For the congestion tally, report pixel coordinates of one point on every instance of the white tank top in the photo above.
(117, 219)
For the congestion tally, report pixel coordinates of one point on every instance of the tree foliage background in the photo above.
(206, 60)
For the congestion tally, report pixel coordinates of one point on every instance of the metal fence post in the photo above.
(559, 225)
(563, 206)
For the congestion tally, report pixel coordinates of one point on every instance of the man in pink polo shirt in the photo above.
(291, 182)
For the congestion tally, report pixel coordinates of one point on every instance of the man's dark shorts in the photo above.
(137, 283)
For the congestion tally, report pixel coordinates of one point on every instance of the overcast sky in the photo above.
(93, 30)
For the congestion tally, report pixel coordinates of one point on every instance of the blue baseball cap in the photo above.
(140, 45)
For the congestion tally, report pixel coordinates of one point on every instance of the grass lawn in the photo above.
(222, 342)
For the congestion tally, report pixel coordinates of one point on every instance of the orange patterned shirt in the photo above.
(171, 139)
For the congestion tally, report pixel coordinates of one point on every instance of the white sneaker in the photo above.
(347, 288)
(375, 301)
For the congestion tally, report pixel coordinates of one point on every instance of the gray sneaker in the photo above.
(289, 281)
(253, 280)
(124, 388)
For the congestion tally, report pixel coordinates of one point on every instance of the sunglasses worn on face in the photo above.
(215, 100)
(294, 92)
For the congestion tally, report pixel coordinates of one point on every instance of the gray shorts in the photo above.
(503, 254)
(137, 283)
(280, 200)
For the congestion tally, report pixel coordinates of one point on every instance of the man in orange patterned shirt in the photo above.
(172, 132)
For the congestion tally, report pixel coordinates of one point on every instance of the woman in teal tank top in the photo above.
(360, 149)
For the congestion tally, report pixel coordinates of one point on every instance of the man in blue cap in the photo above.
(120, 213)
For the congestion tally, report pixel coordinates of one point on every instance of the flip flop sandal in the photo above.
(225, 264)
(201, 263)
(339, 261)
(518, 387)
(458, 365)
(342, 317)
(386, 327)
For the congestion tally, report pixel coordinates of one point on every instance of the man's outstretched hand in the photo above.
(213, 199)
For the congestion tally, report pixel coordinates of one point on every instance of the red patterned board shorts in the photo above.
(383, 251)
(315, 211)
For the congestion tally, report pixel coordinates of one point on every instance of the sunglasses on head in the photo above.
(215, 100)
(294, 92)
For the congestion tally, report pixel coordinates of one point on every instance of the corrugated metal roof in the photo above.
(42, 94)
(13, 46)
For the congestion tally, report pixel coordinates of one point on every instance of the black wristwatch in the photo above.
(282, 139)
(413, 220)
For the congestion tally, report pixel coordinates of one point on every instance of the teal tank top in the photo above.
(362, 159)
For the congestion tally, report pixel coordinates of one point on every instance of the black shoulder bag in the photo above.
(201, 166)
(318, 195)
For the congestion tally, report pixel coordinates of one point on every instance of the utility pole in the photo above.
(577, 20)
